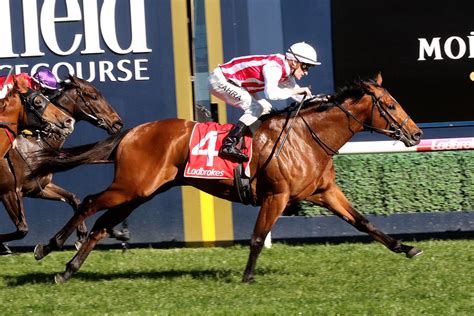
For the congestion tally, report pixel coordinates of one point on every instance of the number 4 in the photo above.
(210, 152)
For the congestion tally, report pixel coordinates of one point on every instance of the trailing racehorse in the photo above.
(151, 158)
(79, 100)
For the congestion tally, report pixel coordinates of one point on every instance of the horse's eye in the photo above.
(38, 102)
(391, 106)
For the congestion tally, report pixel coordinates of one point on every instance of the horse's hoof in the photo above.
(78, 244)
(414, 252)
(4, 250)
(122, 235)
(59, 279)
(248, 280)
(39, 252)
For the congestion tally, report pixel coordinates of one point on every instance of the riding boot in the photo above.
(232, 141)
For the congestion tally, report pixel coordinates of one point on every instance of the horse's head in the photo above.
(387, 115)
(84, 102)
(39, 113)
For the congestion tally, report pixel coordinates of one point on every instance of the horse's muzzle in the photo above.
(412, 139)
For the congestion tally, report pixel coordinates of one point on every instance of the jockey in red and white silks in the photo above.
(238, 81)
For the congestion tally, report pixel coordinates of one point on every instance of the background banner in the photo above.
(425, 50)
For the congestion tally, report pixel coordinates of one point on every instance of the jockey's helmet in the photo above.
(46, 79)
(304, 53)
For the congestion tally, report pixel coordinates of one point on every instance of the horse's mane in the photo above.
(354, 90)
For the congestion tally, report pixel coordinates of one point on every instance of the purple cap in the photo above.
(46, 79)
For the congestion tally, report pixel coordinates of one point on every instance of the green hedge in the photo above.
(403, 183)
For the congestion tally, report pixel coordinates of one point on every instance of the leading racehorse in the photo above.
(80, 100)
(150, 158)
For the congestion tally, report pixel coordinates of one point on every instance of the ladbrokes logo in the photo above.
(99, 36)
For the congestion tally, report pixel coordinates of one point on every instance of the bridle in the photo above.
(34, 111)
(100, 122)
(395, 130)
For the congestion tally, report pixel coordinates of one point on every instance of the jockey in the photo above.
(238, 81)
(45, 81)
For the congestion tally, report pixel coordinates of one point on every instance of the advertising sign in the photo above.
(125, 49)
(424, 49)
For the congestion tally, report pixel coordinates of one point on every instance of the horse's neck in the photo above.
(334, 127)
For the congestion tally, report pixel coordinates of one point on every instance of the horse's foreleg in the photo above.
(56, 193)
(16, 211)
(101, 229)
(91, 205)
(334, 200)
(271, 209)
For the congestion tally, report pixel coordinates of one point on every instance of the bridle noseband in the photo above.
(34, 111)
(80, 95)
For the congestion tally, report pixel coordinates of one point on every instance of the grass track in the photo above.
(345, 279)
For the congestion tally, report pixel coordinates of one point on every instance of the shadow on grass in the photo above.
(223, 275)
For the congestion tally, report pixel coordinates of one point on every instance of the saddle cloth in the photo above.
(204, 160)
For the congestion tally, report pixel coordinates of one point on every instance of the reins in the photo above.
(290, 126)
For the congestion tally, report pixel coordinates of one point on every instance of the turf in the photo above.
(344, 279)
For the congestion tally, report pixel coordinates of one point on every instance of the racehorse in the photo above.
(150, 158)
(23, 107)
(80, 101)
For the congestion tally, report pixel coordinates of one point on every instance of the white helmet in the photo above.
(303, 53)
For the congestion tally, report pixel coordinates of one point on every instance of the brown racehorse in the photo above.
(81, 101)
(151, 158)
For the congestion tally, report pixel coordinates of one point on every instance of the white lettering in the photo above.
(48, 21)
(471, 45)
(452, 144)
(121, 67)
(95, 26)
(80, 74)
(107, 22)
(448, 47)
(429, 49)
(204, 173)
(56, 67)
(105, 68)
(30, 18)
(454, 47)
(6, 43)
(139, 69)
(91, 28)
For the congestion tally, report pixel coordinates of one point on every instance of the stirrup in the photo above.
(232, 152)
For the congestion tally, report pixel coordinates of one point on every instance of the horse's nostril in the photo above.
(417, 136)
(69, 123)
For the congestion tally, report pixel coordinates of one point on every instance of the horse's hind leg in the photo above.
(336, 202)
(271, 209)
(91, 205)
(101, 229)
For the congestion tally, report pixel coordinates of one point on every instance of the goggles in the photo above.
(305, 67)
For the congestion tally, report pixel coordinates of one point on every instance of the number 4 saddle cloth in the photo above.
(204, 160)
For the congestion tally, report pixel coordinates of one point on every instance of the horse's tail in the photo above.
(45, 162)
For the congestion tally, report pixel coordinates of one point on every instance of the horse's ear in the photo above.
(378, 78)
(73, 80)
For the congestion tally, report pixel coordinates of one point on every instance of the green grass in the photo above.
(345, 279)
